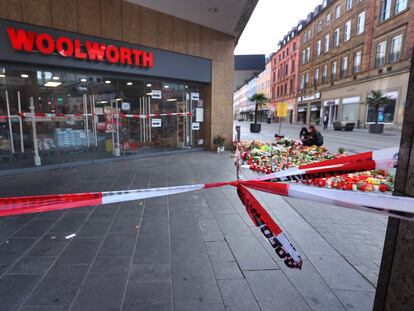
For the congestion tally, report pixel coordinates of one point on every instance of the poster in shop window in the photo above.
(156, 122)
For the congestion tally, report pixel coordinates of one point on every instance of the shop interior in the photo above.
(65, 116)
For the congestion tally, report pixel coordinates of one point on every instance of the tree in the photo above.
(377, 100)
(258, 98)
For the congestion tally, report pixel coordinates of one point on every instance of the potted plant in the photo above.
(377, 100)
(257, 98)
(219, 142)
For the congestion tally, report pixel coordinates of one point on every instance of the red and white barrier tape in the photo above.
(379, 159)
(155, 115)
(400, 207)
(121, 115)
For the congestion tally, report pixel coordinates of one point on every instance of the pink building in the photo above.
(285, 72)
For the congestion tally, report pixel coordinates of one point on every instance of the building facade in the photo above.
(263, 87)
(245, 111)
(113, 77)
(285, 72)
(348, 49)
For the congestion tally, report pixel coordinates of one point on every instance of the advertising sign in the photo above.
(156, 94)
(156, 122)
(282, 109)
(196, 126)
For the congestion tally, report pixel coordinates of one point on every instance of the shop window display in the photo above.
(83, 116)
(385, 112)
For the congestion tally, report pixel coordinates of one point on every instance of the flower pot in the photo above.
(376, 128)
(218, 149)
(255, 127)
(222, 149)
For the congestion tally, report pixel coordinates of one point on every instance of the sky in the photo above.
(270, 22)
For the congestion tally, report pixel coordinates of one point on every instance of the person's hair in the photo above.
(304, 129)
(312, 127)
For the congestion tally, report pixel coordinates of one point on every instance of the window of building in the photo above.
(336, 37)
(360, 23)
(318, 48)
(294, 46)
(308, 52)
(327, 42)
(287, 51)
(380, 53)
(285, 88)
(286, 69)
(333, 71)
(348, 5)
(328, 19)
(338, 11)
(306, 79)
(347, 30)
(400, 5)
(302, 82)
(395, 49)
(324, 72)
(344, 67)
(316, 77)
(385, 10)
(293, 66)
(357, 62)
(319, 26)
(303, 56)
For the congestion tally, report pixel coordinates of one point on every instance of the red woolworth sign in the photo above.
(30, 41)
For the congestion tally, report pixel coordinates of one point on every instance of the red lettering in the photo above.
(137, 56)
(64, 46)
(147, 59)
(125, 56)
(95, 50)
(21, 40)
(45, 43)
(78, 51)
(112, 54)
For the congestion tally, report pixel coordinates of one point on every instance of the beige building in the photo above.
(263, 87)
(348, 49)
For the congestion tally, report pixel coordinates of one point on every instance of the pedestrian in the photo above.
(314, 137)
(325, 121)
(303, 134)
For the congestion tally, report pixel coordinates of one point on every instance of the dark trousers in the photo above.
(325, 125)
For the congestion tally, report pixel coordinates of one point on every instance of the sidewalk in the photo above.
(195, 251)
(358, 140)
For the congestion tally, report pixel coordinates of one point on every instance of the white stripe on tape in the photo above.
(352, 199)
(389, 153)
(288, 247)
(139, 194)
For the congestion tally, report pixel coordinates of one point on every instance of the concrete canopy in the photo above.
(230, 16)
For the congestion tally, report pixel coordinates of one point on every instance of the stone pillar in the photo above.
(395, 289)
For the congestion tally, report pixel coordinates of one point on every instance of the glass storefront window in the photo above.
(82, 115)
(350, 112)
(385, 113)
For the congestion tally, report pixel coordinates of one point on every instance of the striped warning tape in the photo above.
(72, 115)
(379, 159)
(393, 206)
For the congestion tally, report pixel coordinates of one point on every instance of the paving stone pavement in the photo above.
(193, 251)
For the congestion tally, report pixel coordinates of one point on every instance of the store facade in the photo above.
(95, 86)
(309, 109)
(349, 104)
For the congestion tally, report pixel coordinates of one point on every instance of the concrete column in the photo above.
(396, 280)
